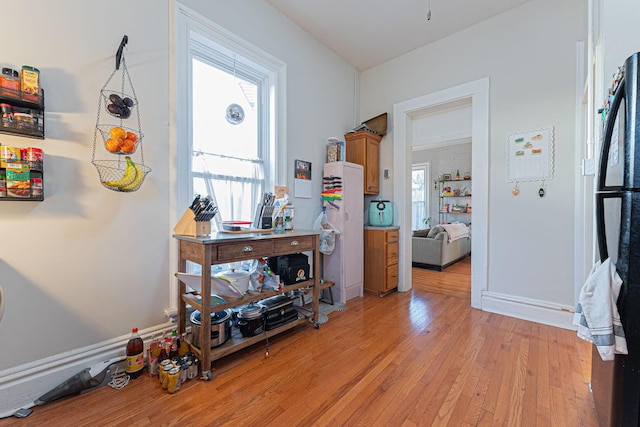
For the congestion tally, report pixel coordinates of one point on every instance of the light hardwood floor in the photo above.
(454, 280)
(408, 359)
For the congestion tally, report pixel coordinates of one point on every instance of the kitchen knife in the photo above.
(195, 203)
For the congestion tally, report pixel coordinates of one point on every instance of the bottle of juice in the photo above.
(174, 344)
(135, 355)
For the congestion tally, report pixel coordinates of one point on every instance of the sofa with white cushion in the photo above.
(433, 248)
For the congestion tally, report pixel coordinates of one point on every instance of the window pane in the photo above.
(227, 159)
(418, 198)
(213, 91)
(417, 185)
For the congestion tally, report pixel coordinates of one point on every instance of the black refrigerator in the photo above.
(616, 384)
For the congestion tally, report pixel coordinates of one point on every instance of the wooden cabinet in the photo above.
(381, 249)
(363, 148)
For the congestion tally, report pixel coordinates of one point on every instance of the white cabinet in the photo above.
(345, 266)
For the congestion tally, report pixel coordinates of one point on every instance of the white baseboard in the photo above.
(22, 385)
(533, 310)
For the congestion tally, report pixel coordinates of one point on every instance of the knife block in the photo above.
(188, 226)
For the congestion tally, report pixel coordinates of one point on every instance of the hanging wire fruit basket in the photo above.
(124, 172)
(120, 139)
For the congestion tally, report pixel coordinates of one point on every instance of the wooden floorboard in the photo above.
(454, 280)
(408, 359)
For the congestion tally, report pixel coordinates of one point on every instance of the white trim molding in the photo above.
(21, 385)
(404, 113)
(533, 310)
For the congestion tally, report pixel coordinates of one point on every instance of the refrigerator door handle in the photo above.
(600, 230)
(606, 144)
(601, 235)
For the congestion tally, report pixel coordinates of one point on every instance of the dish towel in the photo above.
(596, 315)
(456, 231)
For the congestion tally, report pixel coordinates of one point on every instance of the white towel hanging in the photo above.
(596, 315)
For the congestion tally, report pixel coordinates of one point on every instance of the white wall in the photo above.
(87, 264)
(620, 37)
(529, 56)
(446, 125)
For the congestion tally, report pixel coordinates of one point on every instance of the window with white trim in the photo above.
(419, 196)
(229, 100)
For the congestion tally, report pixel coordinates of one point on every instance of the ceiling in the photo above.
(367, 33)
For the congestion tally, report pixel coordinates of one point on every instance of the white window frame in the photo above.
(187, 25)
(427, 189)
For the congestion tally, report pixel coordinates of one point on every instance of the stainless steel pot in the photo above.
(220, 327)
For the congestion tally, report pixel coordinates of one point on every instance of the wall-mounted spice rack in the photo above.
(20, 115)
(21, 174)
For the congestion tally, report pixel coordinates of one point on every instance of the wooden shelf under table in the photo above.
(234, 344)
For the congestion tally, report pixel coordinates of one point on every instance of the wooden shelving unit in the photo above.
(223, 248)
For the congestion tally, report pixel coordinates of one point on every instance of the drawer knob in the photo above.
(247, 249)
(294, 243)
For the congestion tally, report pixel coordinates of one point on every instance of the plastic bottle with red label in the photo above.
(135, 355)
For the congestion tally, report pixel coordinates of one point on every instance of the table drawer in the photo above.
(393, 236)
(293, 244)
(245, 250)
(392, 250)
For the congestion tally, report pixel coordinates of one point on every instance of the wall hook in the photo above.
(123, 43)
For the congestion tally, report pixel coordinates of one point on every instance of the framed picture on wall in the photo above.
(446, 177)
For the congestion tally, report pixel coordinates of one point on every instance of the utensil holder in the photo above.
(188, 226)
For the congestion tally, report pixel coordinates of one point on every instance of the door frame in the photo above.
(403, 113)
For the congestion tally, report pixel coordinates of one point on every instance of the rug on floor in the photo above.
(324, 309)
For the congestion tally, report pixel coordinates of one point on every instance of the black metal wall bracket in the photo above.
(123, 43)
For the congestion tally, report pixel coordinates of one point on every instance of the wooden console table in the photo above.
(218, 248)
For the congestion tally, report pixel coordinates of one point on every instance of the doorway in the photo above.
(450, 203)
(478, 93)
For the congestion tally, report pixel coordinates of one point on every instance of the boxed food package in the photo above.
(9, 155)
(3, 183)
(18, 180)
(30, 83)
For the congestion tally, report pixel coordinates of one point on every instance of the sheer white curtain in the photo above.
(238, 183)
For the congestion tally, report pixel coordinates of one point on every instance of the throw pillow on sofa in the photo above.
(421, 233)
(434, 231)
